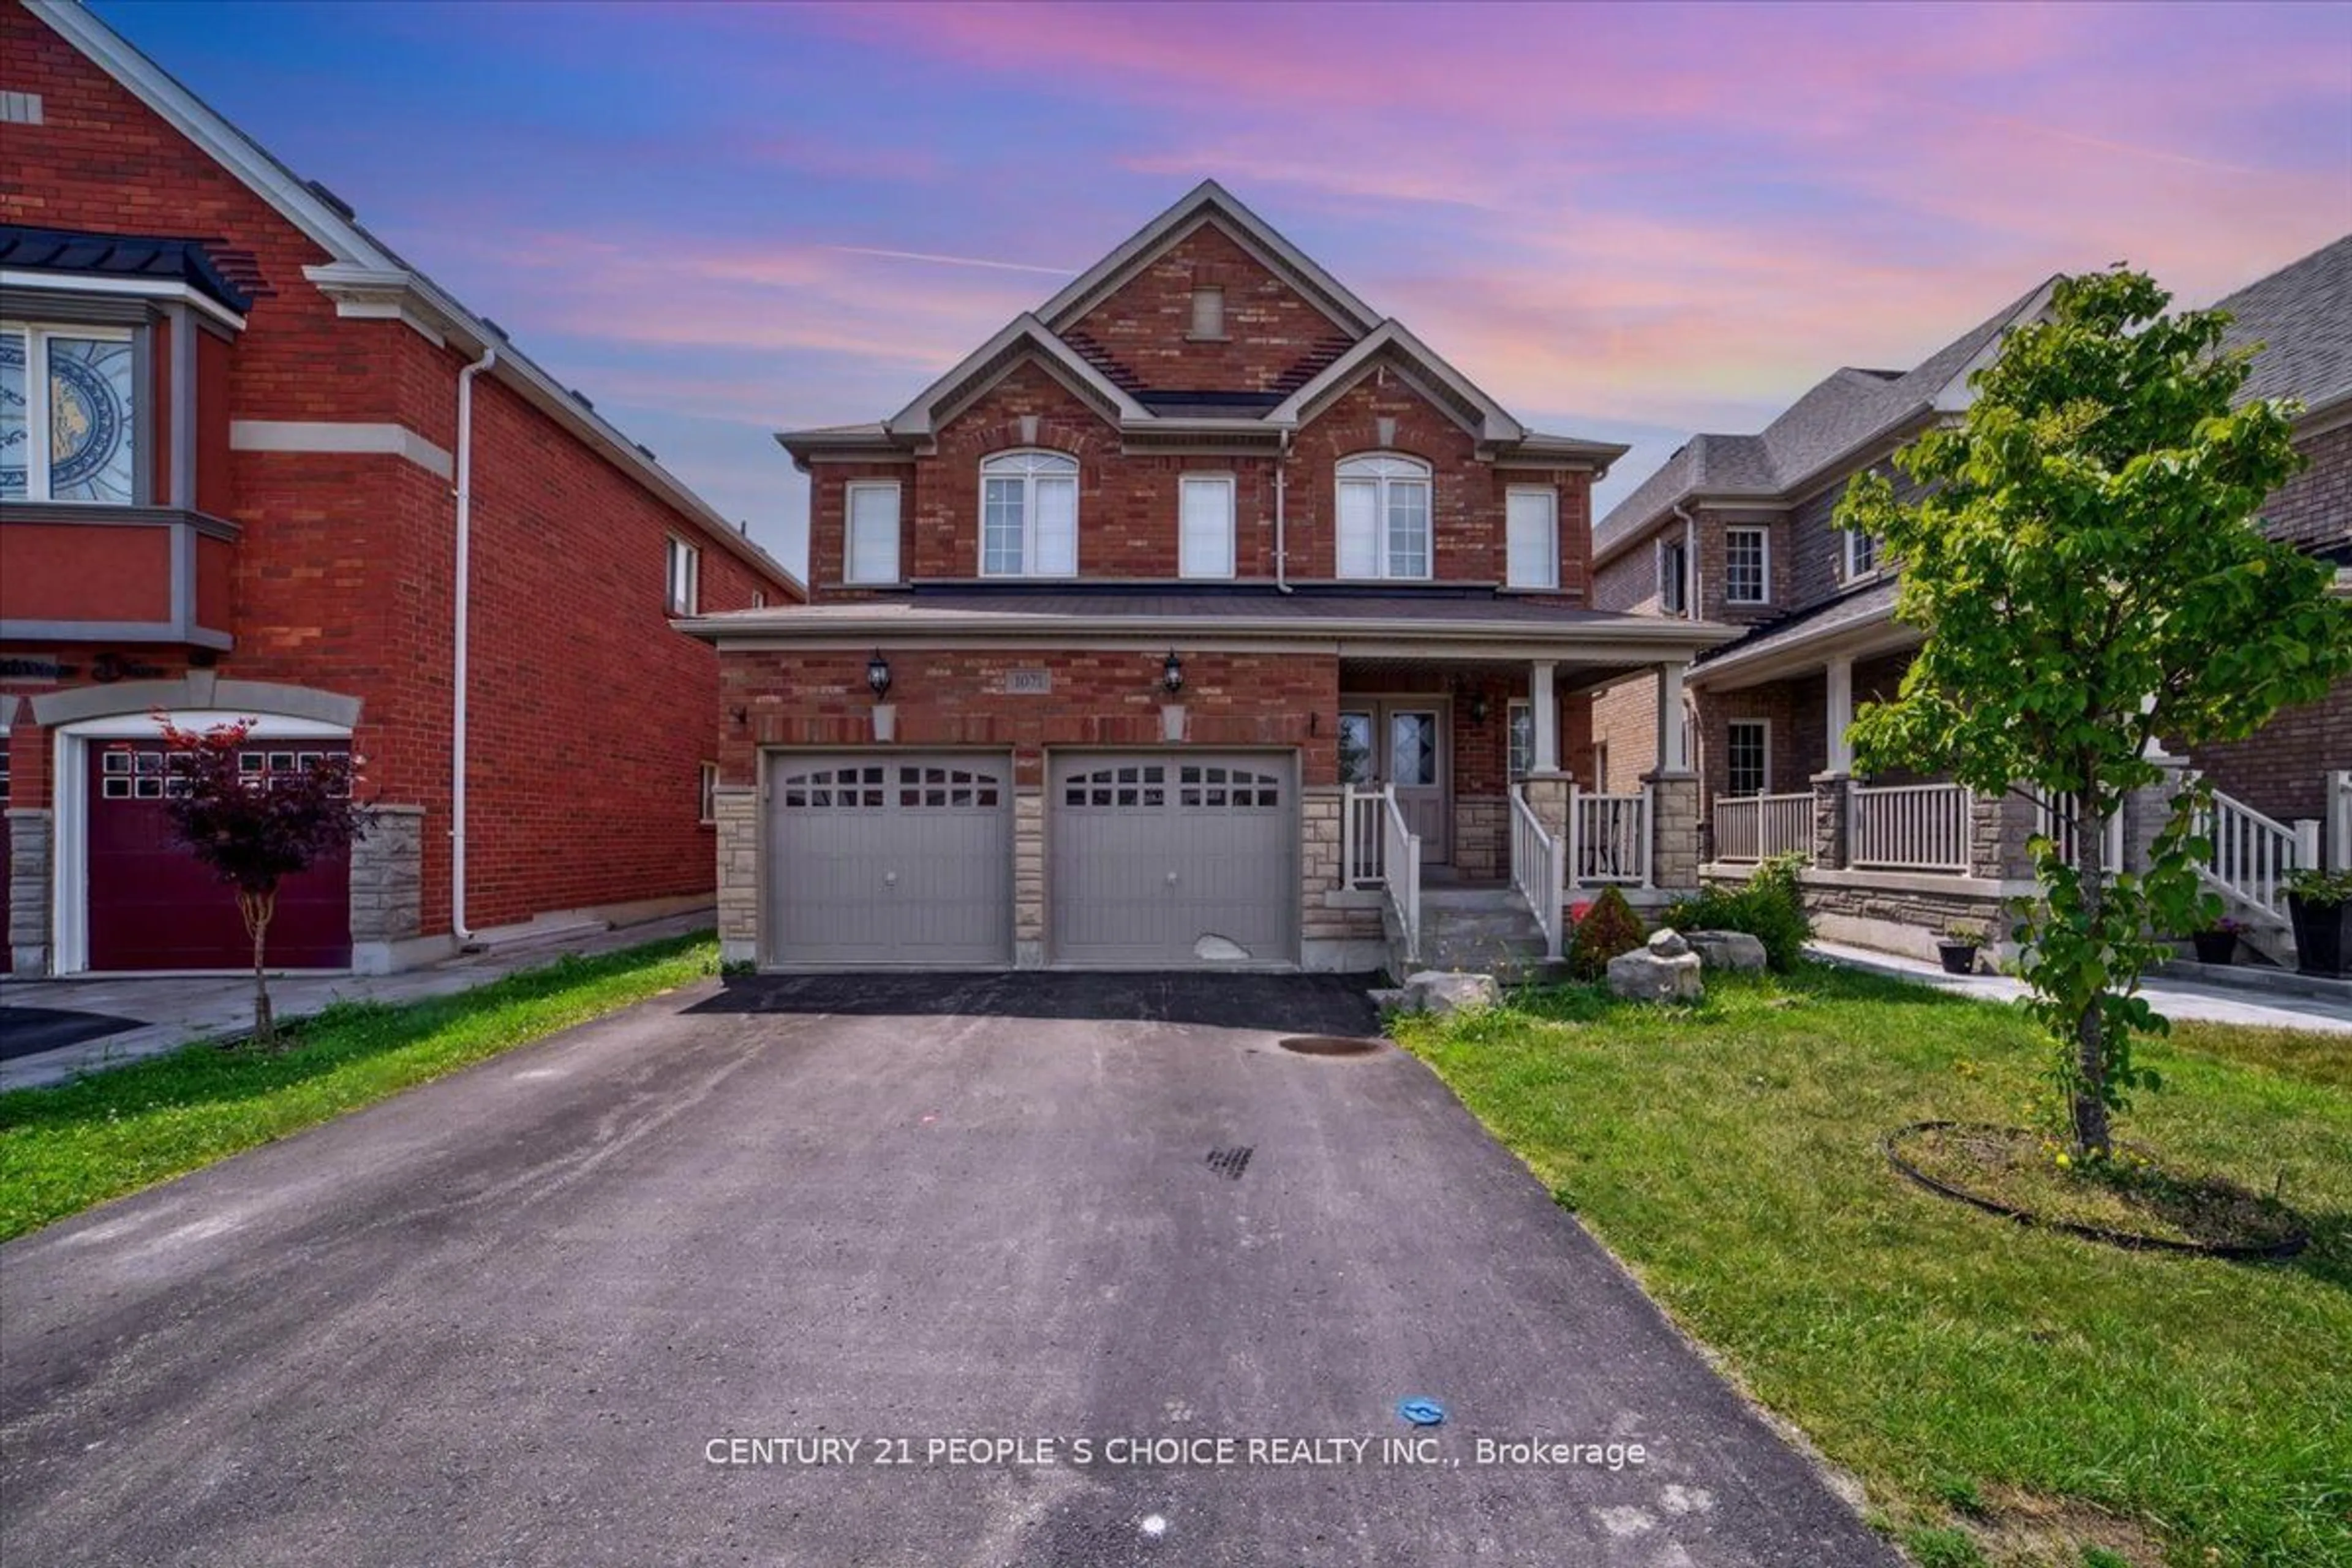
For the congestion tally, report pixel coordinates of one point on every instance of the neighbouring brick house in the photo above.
(1738, 529)
(243, 449)
(1176, 625)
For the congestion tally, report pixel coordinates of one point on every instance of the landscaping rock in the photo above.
(1647, 974)
(1441, 991)
(1668, 942)
(1399, 1000)
(1727, 949)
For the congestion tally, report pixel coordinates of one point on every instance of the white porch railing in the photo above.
(2054, 818)
(1909, 828)
(1359, 837)
(1539, 869)
(1759, 826)
(2253, 854)
(1401, 860)
(1608, 837)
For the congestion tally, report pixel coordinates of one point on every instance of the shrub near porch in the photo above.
(2033, 1394)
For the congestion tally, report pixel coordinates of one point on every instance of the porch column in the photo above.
(27, 870)
(1839, 680)
(1671, 756)
(736, 808)
(1543, 706)
(1673, 792)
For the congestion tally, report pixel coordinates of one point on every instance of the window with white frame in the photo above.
(1747, 566)
(758, 599)
(1531, 526)
(1674, 576)
(1209, 313)
(684, 577)
(70, 408)
(707, 811)
(1522, 739)
(1861, 554)
(1029, 515)
(870, 510)
(1747, 755)
(1204, 544)
(1384, 516)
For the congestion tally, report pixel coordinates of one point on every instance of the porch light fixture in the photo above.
(877, 675)
(1478, 708)
(1171, 674)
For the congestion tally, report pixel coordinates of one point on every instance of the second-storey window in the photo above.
(68, 410)
(684, 577)
(1745, 565)
(1531, 522)
(1204, 544)
(1861, 554)
(1674, 576)
(1384, 528)
(1029, 515)
(871, 513)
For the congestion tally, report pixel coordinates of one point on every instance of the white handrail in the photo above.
(1359, 837)
(1909, 827)
(1611, 839)
(1759, 826)
(2251, 854)
(1539, 869)
(1401, 860)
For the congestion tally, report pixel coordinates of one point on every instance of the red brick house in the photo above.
(1202, 616)
(254, 464)
(1737, 528)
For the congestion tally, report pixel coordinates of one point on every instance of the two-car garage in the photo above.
(1149, 860)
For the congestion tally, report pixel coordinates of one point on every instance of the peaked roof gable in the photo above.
(1208, 202)
(1022, 336)
(367, 278)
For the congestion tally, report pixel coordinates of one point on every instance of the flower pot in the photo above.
(2215, 946)
(2322, 934)
(1959, 957)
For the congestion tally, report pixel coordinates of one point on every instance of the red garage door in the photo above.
(153, 905)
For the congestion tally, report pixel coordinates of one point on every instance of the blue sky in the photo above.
(721, 220)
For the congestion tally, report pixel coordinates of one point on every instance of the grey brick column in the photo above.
(1830, 819)
(2147, 810)
(1673, 830)
(736, 809)
(1999, 825)
(30, 838)
(1029, 876)
(387, 887)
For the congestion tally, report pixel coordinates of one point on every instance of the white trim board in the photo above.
(333, 435)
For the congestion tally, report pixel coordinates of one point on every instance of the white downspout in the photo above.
(1281, 546)
(1690, 560)
(461, 595)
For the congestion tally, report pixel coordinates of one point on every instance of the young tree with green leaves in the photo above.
(2084, 559)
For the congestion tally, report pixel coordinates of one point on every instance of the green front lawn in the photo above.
(65, 1148)
(2005, 1394)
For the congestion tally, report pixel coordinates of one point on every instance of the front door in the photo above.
(1402, 743)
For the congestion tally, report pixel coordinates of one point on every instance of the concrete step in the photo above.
(1470, 898)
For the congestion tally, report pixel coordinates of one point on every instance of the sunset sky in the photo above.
(1628, 223)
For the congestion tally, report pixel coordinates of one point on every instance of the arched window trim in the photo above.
(1396, 549)
(1018, 479)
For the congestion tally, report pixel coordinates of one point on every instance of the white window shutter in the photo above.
(873, 533)
(1205, 538)
(1056, 515)
(1533, 543)
(1360, 529)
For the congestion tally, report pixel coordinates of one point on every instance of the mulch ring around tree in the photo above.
(2127, 1201)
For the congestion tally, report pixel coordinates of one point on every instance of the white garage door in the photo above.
(1173, 860)
(890, 858)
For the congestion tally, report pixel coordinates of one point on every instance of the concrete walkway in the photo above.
(2173, 997)
(176, 1009)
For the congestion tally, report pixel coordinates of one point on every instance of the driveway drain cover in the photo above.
(1329, 1046)
(1230, 1163)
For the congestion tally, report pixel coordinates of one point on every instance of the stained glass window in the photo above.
(68, 404)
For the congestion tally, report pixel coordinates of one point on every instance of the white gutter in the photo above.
(1690, 561)
(1281, 548)
(461, 592)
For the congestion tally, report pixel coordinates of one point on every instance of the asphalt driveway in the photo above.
(514, 1317)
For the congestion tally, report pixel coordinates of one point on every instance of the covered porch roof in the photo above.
(1466, 624)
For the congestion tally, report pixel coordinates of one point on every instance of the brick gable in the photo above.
(1274, 339)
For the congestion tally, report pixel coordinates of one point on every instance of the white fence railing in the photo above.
(2056, 817)
(1359, 837)
(1608, 837)
(1759, 826)
(2253, 854)
(2339, 820)
(1401, 860)
(1909, 828)
(1539, 869)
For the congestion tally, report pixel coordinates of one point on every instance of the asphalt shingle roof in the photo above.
(2303, 312)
